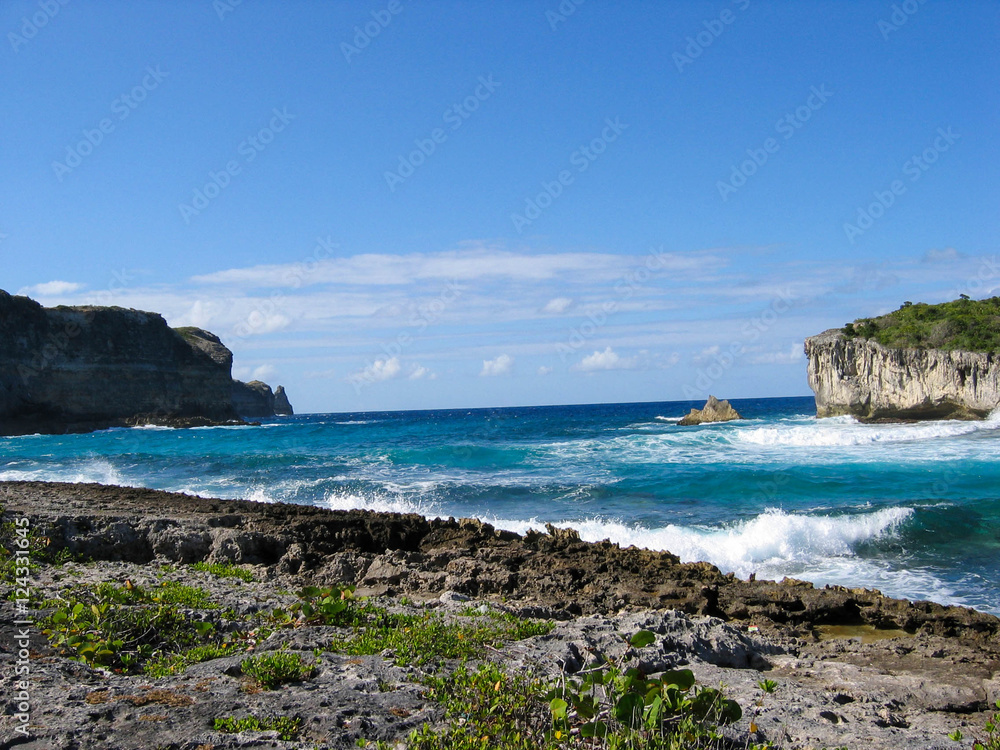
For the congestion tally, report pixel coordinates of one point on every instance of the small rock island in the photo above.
(713, 411)
(76, 369)
(919, 362)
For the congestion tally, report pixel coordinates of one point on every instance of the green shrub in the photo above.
(123, 627)
(224, 570)
(173, 663)
(273, 669)
(286, 726)
(416, 639)
(606, 707)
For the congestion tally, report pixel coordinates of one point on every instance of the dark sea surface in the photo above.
(910, 509)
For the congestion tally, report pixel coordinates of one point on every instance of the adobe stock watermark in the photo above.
(624, 289)
(899, 17)
(363, 35)
(426, 314)
(454, 117)
(702, 40)
(750, 332)
(223, 8)
(561, 14)
(914, 168)
(250, 148)
(988, 271)
(31, 25)
(582, 158)
(20, 687)
(121, 108)
(786, 127)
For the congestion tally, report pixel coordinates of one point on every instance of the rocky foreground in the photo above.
(852, 668)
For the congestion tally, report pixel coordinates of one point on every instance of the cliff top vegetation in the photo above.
(966, 324)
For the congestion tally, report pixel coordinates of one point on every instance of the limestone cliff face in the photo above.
(866, 380)
(82, 368)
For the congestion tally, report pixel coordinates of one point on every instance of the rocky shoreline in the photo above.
(853, 668)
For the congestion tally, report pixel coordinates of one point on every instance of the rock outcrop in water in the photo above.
(75, 369)
(864, 379)
(255, 400)
(713, 411)
(282, 406)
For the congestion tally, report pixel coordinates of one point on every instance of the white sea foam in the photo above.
(844, 432)
(380, 502)
(94, 470)
(774, 544)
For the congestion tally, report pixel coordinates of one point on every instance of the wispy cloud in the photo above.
(50, 289)
(557, 305)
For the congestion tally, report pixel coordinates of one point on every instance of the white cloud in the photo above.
(557, 305)
(419, 372)
(50, 289)
(379, 370)
(606, 360)
(500, 366)
(544, 370)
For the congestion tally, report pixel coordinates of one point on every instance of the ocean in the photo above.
(910, 509)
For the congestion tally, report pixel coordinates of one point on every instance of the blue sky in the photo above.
(394, 205)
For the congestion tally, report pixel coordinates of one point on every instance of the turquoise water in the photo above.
(913, 510)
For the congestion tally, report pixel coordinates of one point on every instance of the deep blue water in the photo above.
(913, 510)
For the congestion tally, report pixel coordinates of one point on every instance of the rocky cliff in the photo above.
(862, 378)
(75, 369)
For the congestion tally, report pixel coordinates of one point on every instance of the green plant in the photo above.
(123, 627)
(416, 639)
(277, 667)
(174, 663)
(486, 707)
(333, 605)
(286, 726)
(666, 711)
(224, 570)
(992, 739)
(607, 707)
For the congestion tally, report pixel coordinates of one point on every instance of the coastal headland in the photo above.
(852, 668)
